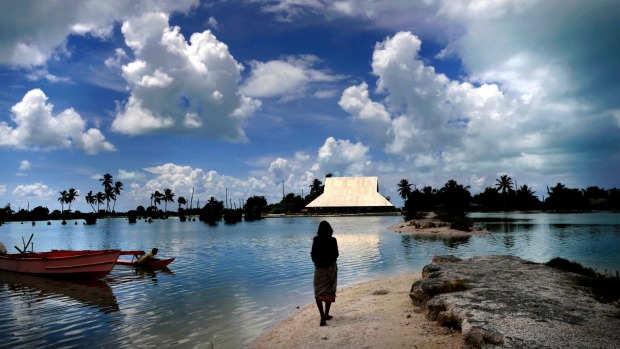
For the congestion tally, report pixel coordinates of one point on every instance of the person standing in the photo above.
(324, 254)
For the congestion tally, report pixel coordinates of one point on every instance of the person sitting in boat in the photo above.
(147, 257)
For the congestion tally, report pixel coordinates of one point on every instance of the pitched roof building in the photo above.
(351, 194)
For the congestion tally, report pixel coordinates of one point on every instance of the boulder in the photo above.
(508, 302)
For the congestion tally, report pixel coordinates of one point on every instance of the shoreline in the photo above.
(372, 314)
(433, 227)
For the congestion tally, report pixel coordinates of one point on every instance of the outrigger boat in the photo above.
(150, 263)
(56, 263)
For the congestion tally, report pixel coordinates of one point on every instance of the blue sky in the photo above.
(239, 97)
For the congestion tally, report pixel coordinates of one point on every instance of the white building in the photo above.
(351, 194)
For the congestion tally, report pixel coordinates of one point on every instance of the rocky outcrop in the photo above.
(508, 302)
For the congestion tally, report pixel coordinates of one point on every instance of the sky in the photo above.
(233, 99)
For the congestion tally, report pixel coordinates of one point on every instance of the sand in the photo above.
(432, 227)
(374, 314)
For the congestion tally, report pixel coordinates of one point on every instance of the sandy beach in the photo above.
(374, 314)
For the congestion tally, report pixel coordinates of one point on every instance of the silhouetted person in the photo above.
(324, 254)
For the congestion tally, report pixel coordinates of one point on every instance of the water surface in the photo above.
(230, 283)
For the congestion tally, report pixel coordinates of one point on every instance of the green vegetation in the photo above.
(604, 287)
(505, 195)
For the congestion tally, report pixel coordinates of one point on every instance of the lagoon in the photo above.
(231, 283)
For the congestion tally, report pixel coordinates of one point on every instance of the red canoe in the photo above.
(62, 263)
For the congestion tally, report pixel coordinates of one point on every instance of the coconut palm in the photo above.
(504, 183)
(107, 182)
(109, 196)
(168, 196)
(100, 199)
(404, 189)
(62, 199)
(118, 186)
(181, 200)
(72, 195)
(315, 187)
(91, 199)
(156, 198)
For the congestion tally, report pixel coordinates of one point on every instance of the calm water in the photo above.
(230, 283)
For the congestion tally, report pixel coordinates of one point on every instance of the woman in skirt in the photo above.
(324, 254)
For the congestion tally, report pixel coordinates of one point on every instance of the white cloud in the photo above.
(37, 191)
(343, 158)
(125, 175)
(289, 10)
(24, 165)
(2, 190)
(287, 78)
(212, 22)
(33, 33)
(183, 179)
(36, 127)
(43, 74)
(117, 60)
(181, 86)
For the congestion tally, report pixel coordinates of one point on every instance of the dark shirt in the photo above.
(324, 251)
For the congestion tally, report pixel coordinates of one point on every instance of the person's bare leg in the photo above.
(319, 304)
(327, 306)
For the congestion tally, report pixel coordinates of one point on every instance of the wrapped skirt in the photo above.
(325, 282)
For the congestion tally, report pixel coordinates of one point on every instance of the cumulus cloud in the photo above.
(37, 191)
(181, 86)
(343, 158)
(289, 10)
(28, 41)
(182, 180)
(24, 165)
(287, 78)
(455, 126)
(36, 127)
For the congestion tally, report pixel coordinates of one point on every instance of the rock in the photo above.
(508, 302)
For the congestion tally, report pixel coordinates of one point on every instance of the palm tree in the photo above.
(72, 195)
(181, 200)
(62, 199)
(106, 182)
(504, 183)
(315, 187)
(118, 186)
(156, 198)
(100, 199)
(404, 189)
(91, 199)
(167, 197)
(109, 196)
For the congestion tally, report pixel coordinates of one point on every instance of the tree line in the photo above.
(506, 196)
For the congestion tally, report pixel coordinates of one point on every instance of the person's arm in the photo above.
(313, 252)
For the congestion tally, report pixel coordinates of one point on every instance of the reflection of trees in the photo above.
(450, 242)
(509, 240)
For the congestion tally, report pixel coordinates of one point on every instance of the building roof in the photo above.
(350, 192)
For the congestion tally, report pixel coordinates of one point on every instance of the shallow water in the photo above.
(230, 283)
